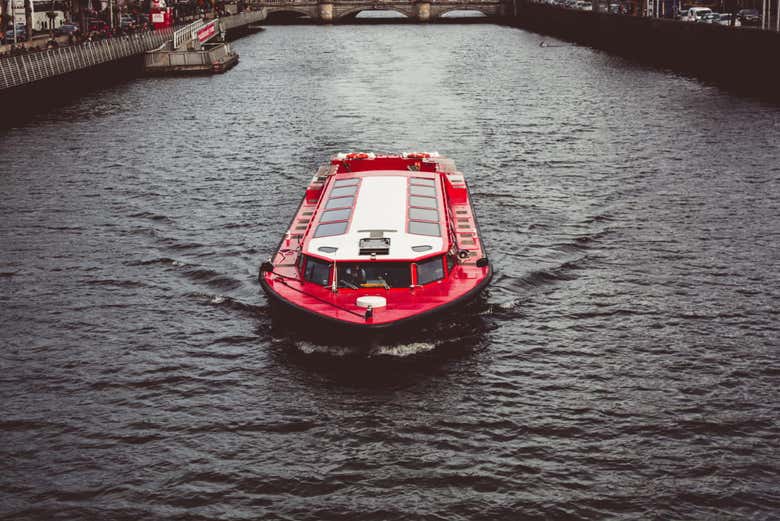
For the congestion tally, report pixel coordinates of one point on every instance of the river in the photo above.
(623, 364)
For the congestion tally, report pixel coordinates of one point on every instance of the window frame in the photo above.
(430, 260)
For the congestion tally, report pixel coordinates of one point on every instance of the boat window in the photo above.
(343, 190)
(430, 270)
(337, 228)
(423, 247)
(421, 181)
(340, 202)
(374, 275)
(428, 191)
(317, 271)
(336, 215)
(346, 182)
(424, 228)
(423, 214)
(422, 202)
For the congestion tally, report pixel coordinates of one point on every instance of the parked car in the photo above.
(749, 17)
(66, 29)
(21, 33)
(126, 21)
(97, 25)
(725, 19)
(710, 18)
(695, 14)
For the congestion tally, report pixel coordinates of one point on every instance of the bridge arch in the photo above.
(291, 11)
(437, 11)
(354, 11)
(441, 13)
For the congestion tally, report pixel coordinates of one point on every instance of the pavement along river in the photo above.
(622, 365)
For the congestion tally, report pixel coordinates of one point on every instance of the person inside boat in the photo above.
(354, 276)
(374, 275)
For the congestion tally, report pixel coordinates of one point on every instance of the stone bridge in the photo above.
(329, 11)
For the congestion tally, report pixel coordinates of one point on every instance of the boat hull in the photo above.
(408, 242)
(300, 319)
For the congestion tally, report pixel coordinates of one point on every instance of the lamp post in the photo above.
(51, 15)
(13, 19)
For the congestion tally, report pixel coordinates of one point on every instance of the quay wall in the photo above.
(742, 59)
(31, 84)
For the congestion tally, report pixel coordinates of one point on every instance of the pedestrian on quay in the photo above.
(52, 43)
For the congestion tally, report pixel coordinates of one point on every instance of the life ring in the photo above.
(357, 155)
(418, 155)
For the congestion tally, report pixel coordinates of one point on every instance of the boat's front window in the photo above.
(374, 275)
(430, 270)
(317, 271)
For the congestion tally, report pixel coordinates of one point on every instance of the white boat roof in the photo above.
(405, 207)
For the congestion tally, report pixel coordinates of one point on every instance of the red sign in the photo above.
(162, 18)
(207, 32)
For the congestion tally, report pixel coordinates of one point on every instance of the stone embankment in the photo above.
(21, 70)
(740, 58)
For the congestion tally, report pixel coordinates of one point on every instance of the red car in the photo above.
(98, 26)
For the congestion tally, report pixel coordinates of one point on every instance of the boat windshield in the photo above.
(374, 275)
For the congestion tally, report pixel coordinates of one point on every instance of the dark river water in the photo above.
(623, 364)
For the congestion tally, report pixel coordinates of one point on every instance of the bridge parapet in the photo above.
(423, 10)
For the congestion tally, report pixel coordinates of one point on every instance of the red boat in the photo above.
(379, 241)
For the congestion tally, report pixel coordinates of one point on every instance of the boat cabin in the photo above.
(385, 227)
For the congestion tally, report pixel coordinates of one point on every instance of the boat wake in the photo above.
(390, 350)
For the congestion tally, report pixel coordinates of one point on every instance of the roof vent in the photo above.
(375, 245)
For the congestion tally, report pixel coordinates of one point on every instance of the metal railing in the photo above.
(184, 35)
(27, 68)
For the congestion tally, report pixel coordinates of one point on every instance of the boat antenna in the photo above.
(334, 287)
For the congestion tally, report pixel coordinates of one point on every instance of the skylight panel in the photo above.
(336, 215)
(337, 228)
(424, 228)
(428, 191)
(422, 202)
(423, 214)
(340, 202)
(343, 190)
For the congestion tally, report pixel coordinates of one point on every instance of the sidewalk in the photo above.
(38, 43)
